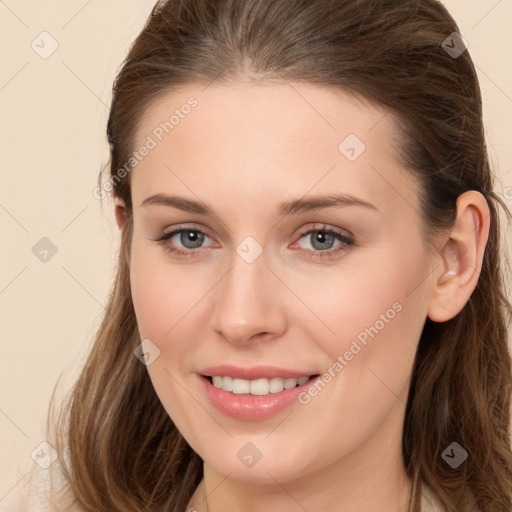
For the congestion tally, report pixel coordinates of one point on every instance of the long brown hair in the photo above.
(123, 452)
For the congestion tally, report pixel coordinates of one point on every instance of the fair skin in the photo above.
(243, 150)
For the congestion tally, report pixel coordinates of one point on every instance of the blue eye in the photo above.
(192, 239)
(325, 236)
(192, 236)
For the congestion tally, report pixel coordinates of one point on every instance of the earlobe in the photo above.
(120, 212)
(460, 259)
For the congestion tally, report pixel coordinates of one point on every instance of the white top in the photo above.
(429, 502)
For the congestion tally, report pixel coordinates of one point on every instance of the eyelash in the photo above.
(347, 242)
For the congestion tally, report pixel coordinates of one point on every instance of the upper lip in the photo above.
(254, 372)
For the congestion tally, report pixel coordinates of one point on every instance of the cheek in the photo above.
(166, 304)
(163, 294)
(371, 314)
(377, 320)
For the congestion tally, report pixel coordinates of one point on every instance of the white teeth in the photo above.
(226, 383)
(290, 383)
(276, 385)
(260, 387)
(257, 387)
(241, 386)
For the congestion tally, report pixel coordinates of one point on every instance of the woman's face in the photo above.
(271, 282)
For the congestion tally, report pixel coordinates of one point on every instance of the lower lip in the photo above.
(252, 407)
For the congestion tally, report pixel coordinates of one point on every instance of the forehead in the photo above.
(254, 137)
(264, 111)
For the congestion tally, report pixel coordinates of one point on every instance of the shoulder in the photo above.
(40, 490)
(431, 503)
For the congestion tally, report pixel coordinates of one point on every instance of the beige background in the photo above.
(53, 118)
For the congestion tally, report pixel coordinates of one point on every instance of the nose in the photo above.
(248, 303)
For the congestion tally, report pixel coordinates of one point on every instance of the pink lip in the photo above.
(253, 373)
(248, 407)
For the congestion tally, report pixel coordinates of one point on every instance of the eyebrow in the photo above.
(286, 208)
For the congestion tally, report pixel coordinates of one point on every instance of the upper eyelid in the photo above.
(179, 228)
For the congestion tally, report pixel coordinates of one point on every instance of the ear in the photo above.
(120, 212)
(460, 257)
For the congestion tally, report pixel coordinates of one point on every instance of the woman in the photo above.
(309, 311)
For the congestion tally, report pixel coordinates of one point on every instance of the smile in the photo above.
(258, 387)
(253, 399)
